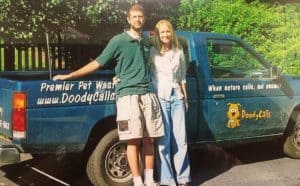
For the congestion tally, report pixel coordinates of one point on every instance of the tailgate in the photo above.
(5, 107)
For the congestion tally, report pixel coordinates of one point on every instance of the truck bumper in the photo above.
(8, 152)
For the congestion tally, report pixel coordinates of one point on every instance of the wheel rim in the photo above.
(116, 164)
(296, 136)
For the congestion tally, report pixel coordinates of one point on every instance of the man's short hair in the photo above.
(135, 7)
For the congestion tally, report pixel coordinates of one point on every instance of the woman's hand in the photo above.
(186, 104)
(116, 80)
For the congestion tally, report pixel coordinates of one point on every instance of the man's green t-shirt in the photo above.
(131, 67)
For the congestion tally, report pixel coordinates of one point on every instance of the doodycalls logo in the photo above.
(235, 114)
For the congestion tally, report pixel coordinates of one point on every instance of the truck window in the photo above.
(229, 59)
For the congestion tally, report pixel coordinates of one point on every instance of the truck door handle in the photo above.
(219, 96)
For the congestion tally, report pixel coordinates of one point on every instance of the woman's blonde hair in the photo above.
(157, 43)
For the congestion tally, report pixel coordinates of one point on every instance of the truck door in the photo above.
(243, 99)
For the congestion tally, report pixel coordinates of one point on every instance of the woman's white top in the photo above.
(167, 71)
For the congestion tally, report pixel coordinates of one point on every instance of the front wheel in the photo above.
(291, 146)
(108, 164)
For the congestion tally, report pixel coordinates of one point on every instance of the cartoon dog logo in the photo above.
(233, 114)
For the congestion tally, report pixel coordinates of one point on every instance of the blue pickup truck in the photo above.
(234, 95)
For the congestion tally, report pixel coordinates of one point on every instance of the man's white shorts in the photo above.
(139, 116)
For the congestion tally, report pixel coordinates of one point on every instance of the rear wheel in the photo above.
(108, 164)
(291, 146)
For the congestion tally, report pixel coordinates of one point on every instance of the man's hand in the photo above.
(62, 77)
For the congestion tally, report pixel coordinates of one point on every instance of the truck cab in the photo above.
(235, 94)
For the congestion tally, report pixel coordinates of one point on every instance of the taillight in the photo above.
(19, 114)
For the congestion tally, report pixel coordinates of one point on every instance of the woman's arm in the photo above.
(182, 70)
(183, 89)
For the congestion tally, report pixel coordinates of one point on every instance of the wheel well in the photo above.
(292, 120)
(98, 131)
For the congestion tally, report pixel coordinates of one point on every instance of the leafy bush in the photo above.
(273, 29)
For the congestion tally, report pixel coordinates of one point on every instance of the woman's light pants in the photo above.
(173, 163)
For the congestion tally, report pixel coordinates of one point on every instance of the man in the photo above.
(138, 113)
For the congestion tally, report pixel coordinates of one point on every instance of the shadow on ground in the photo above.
(206, 164)
(212, 160)
(46, 170)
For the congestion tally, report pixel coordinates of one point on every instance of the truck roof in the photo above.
(205, 35)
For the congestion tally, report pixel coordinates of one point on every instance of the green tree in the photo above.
(27, 20)
(251, 21)
(96, 11)
(285, 48)
(273, 28)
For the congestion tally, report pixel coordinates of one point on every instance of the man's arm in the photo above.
(87, 69)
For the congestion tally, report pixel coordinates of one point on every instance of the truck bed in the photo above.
(25, 75)
(44, 75)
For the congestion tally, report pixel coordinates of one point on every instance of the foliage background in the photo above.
(271, 26)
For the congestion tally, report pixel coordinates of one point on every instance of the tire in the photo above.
(108, 164)
(291, 146)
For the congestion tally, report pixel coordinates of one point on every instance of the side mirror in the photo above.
(275, 71)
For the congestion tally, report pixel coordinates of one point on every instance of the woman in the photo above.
(168, 71)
